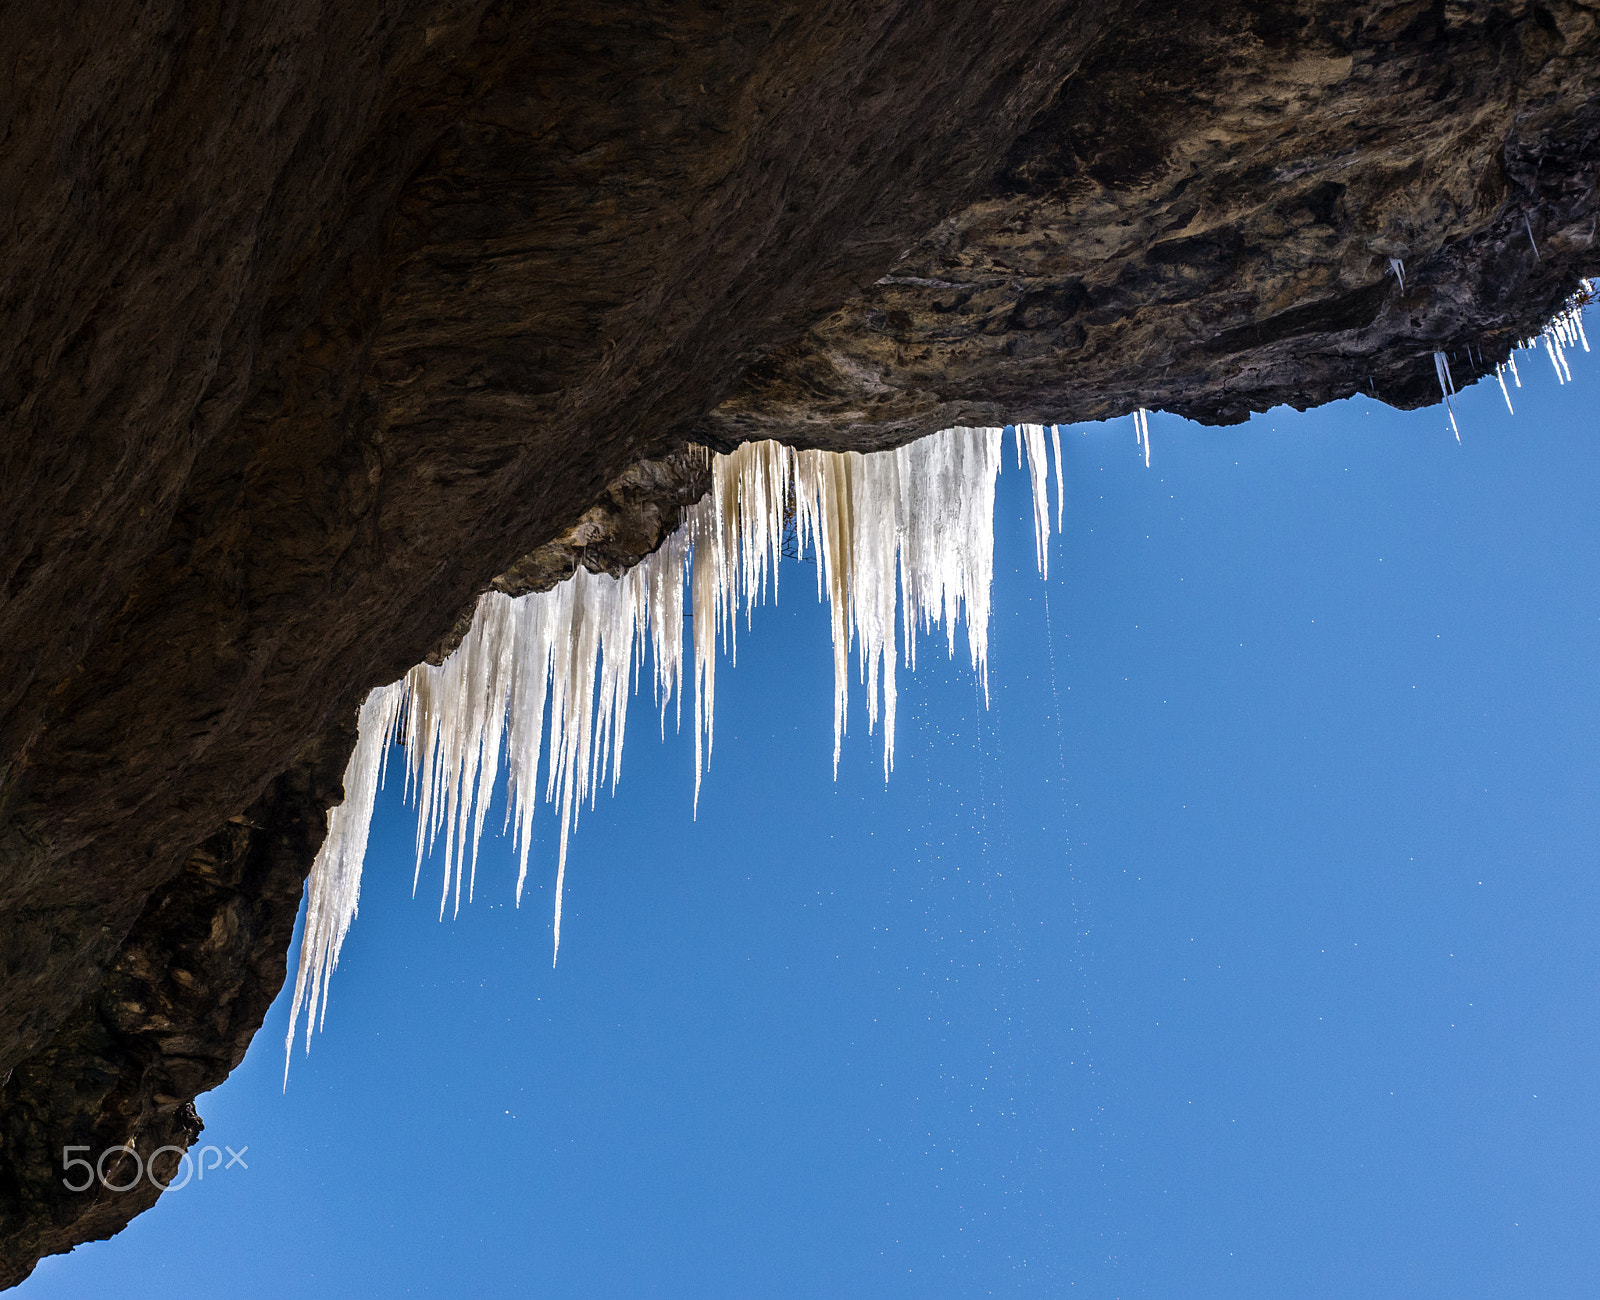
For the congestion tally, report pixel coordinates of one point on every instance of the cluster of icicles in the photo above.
(904, 541)
(1564, 330)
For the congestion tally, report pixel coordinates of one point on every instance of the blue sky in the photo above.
(1246, 945)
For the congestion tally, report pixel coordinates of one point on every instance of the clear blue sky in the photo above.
(1247, 946)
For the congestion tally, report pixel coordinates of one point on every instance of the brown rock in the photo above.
(315, 317)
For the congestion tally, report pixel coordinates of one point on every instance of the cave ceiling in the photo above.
(319, 318)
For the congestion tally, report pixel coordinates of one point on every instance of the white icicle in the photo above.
(1141, 426)
(1061, 491)
(1032, 437)
(334, 887)
(904, 542)
(1441, 366)
(1562, 331)
(1550, 348)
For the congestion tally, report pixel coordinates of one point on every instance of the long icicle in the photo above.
(905, 543)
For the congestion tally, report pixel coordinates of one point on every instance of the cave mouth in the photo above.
(321, 321)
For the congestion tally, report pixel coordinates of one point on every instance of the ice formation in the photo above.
(1447, 387)
(904, 541)
(335, 882)
(1500, 374)
(1564, 331)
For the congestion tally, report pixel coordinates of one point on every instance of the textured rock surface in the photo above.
(172, 1016)
(315, 317)
(320, 315)
(1202, 223)
(637, 511)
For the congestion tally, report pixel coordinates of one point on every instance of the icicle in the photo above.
(334, 887)
(1564, 330)
(1531, 239)
(1441, 366)
(905, 541)
(736, 537)
(1141, 430)
(1553, 349)
(1061, 492)
(1032, 435)
(1399, 269)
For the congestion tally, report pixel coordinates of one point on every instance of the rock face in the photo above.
(1203, 220)
(172, 1015)
(319, 316)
